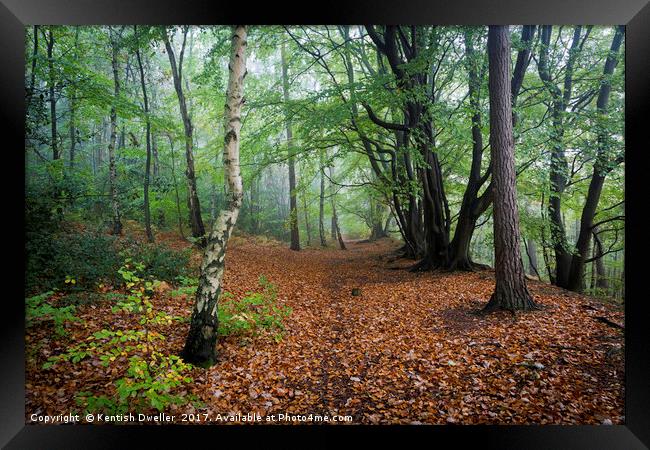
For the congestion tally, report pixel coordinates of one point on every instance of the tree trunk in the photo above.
(255, 201)
(389, 219)
(601, 276)
(336, 231)
(531, 250)
(376, 219)
(147, 168)
(156, 159)
(200, 346)
(73, 94)
(178, 201)
(510, 292)
(194, 206)
(213, 203)
(293, 208)
(51, 89)
(321, 206)
(73, 133)
(112, 170)
(307, 225)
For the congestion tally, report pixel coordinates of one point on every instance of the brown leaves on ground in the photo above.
(409, 349)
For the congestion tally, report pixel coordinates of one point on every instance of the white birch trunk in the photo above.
(200, 347)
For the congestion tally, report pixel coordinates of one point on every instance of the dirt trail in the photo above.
(406, 350)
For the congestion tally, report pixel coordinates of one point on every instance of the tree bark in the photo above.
(531, 250)
(306, 211)
(376, 220)
(336, 230)
(321, 206)
(293, 207)
(112, 169)
(200, 346)
(194, 206)
(147, 168)
(510, 292)
(178, 201)
(600, 274)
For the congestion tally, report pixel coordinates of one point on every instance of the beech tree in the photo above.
(510, 292)
(194, 205)
(147, 170)
(321, 198)
(200, 346)
(115, 36)
(607, 158)
(291, 160)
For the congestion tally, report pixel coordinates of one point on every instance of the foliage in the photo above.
(86, 257)
(255, 312)
(78, 261)
(151, 375)
(148, 383)
(156, 261)
(37, 310)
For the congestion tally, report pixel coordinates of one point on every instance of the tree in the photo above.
(510, 292)
(336, 230)
(603, 165)
(200, 346)
(176, 195)
(117, 223)
(474, 205)
(558, 166)
(400, 48)
(321, 203)
(147, 170)
(73, 101)
(194, 206)
(52, 89)
(293, 207)
(599, 276)
(305, 210)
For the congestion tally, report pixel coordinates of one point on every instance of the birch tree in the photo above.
(200, 346)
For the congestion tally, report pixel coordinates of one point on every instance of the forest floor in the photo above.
(408, 349)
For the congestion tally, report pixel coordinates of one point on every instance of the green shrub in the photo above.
(148, 383)
(80, 261)
(256, 311)
(37, 310)
(158, 262)
(85, 257)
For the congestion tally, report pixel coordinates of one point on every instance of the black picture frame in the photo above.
(635, 14)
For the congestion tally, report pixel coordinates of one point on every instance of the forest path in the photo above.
(408, 349)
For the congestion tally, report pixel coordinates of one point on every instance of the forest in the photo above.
(365, 224)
